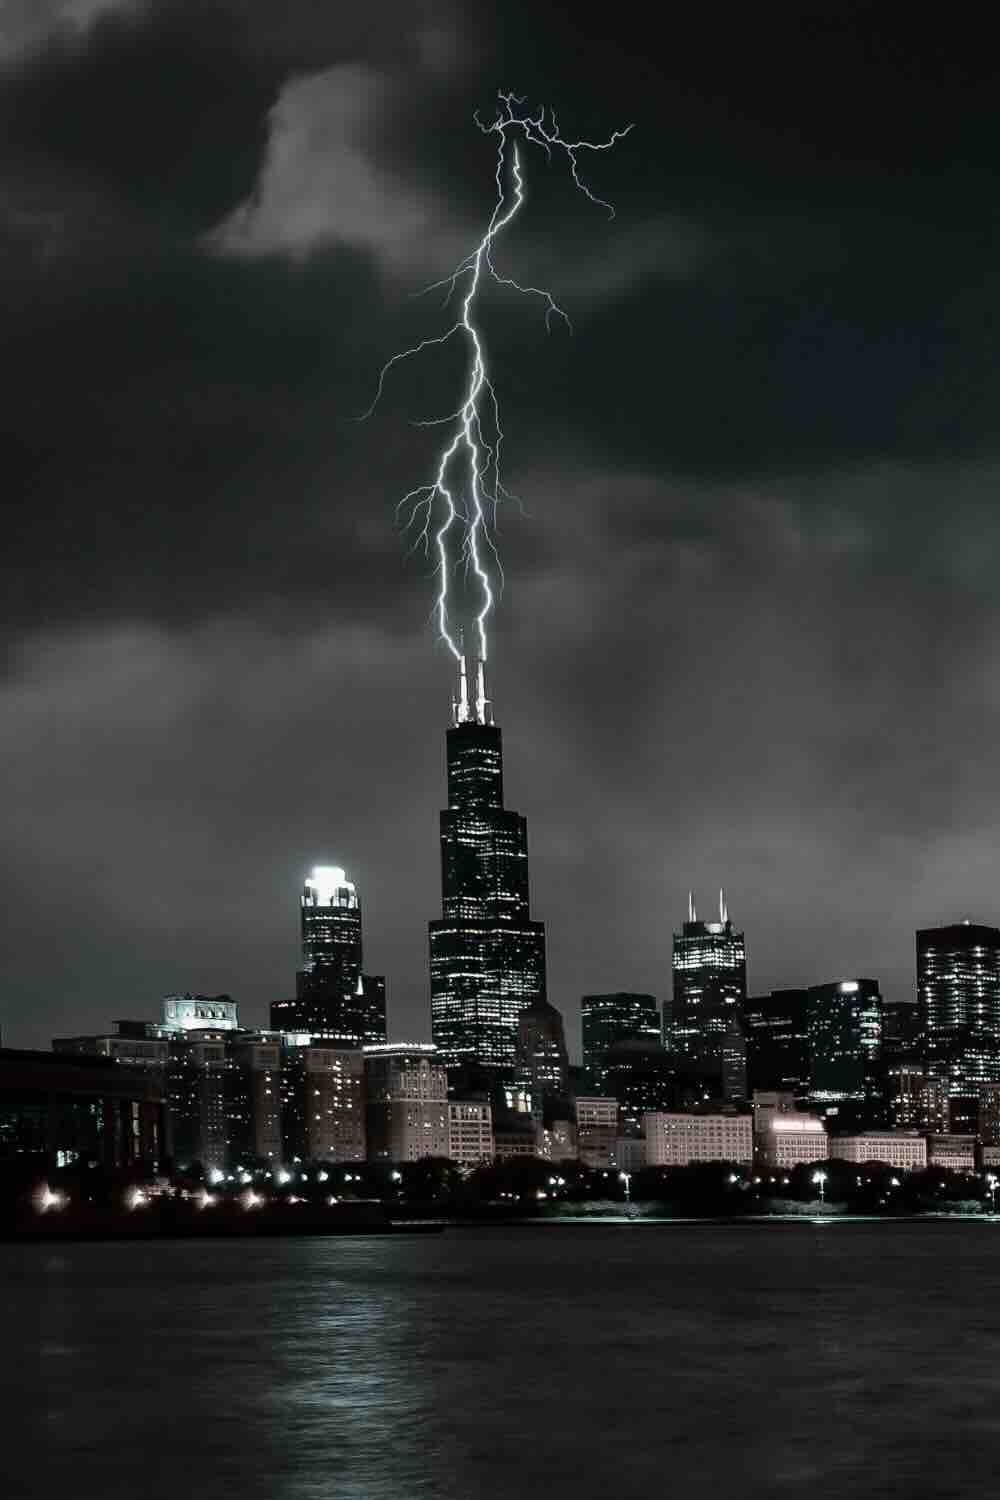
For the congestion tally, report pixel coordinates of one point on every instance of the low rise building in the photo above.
(680, 1139)
(956, 1153)
(905, 1150)
(470, 1132)
(792, 1140)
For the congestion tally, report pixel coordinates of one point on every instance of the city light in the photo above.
(819, 1178)
(136, 1198)
(48, 1201)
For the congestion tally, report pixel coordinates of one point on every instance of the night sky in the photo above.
(751, 628)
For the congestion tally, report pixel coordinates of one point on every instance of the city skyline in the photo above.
(749, 630)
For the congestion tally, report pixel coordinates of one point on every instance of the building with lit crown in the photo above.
(792, 1140)
(334, 999)
(487, 955)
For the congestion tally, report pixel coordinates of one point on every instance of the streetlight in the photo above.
(993, 1182)
(626, 1177)
(819, 1178)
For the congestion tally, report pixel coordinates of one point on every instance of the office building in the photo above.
(323, 1103)
(989, 1115)
(470, 1133)
(958, 1000)
(406, 1113)
(596, 1131)
(777, 1039)
(953, 1152)
(639, 1075)
(334, 999)
(904, 1150)
(915, 1100)
(59, 1109)
(705, 1024)
(607, 1019)
(676, 1139)
(487, 955)
(846, 1061)
(542, 1061)
(791, 1139)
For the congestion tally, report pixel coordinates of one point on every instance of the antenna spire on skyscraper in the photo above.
(723, 909)
(692, 914)
(471, 705)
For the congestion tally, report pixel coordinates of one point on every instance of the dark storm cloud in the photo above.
(768, 444)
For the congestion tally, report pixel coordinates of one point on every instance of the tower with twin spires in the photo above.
(487, 957)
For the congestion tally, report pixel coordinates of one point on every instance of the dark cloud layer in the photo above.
(750, 631)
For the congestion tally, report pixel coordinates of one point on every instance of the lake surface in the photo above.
(611, 1361)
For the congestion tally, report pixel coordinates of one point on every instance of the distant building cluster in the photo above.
(706, 1073)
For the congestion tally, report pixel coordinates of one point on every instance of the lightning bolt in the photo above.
(455, 513)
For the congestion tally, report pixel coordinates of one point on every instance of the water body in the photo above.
(611, 1361)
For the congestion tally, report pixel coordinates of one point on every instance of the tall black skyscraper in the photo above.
(487, 956)
(333, 998)
(958, 1005)
(607, 1019)
(704, 1022)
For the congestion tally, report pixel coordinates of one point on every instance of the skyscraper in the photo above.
(607, 1019)
(487, 957)
(541, 1049)
(847, 1068)
(704, 1023)
(333, 998)
(958, 1002)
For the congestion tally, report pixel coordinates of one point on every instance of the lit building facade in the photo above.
(678, 1140)
(195, 1012)
(955, 1153)
(792, 1140)
(334, 999)
(487, 955)
(846, 1059)
(958, 1001)
(915, 1100)
(611, 1018)
(596, 1131)
(705, 1019)
(905, 1150)
(470, 1132)
(406, 1088)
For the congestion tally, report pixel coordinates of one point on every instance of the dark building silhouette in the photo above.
(704, 1023)
(58, 1109)
(611, 1018)
(333, 998)
(958, 1002)
(777, 1038)
(825, 1044)
(542, 1059)
(638, 1073)
(487, 957)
